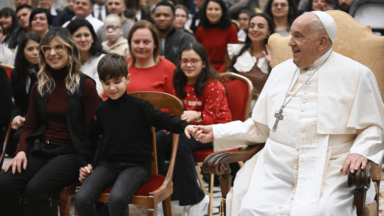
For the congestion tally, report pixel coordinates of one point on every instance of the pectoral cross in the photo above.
(279, 116)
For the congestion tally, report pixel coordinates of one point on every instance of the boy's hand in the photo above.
(85, 172)
(190, 129)
(166, 132)
(17, 123)
(203, 134)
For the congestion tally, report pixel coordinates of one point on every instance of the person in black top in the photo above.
(126, 146)
(22, 79)
(5, 100)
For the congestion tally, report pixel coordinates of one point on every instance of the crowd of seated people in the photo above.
(175, 47)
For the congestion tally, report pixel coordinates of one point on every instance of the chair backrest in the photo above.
(353, 40)
(8, 69)
(161, 100)
(239, 95)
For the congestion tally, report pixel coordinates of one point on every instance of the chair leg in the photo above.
(152, 212)
(210, 206)
(167, 208)
(65, 203)
(200, 179)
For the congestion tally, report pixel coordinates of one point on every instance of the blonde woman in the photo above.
(61, 104)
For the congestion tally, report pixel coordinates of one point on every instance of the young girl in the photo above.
(203, 95)
(22, 79)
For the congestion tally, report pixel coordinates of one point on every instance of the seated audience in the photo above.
(100, 11)
(39, 21)
(235, 6)
(197, 17)
(252, 59)
(243, 19)
(23, 13)
(22, 79)
(115, 43)
(215, 32)
(149, 71)
(345, 5)
(6, 55)
(61, 106)
(283, 12)
(117, 7)
(313, 5)
(203, 94)
(171, 38)
(181, 17)
(83, 9)
(67, 13)
(124, 122)
(9, 20)
(6, 100)
(89, 47)
(21, 2)
(48, 4)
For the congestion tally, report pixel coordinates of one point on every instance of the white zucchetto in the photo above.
(328, 23)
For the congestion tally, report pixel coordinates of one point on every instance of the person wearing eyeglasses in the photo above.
(203, 94)
(89, 47)
(243, 19)
(60, 107)
(115, 42)
(181, 18)
(283, 13)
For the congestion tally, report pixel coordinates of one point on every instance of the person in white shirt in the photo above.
(83, 9)
(89, 47)
(6, 55)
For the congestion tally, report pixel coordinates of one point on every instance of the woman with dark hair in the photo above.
(216, 31)
(40, 20)
(60, 107)
(6, 55)
(89, 47)
(283, 13)
(22, 79)
(10, 23)
(203, 94)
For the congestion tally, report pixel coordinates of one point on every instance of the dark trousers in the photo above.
(126, 180)
(46, 174)
(185, 178)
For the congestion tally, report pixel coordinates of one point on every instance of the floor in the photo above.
(177, 210)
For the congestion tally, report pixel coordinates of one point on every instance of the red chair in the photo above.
(239, 99)
(8, 69)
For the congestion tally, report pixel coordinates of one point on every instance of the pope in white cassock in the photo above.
(319, 113)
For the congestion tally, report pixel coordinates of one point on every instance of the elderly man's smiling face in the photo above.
(307, 40)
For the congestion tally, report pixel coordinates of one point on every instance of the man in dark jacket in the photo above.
(67, 13)
(22, 12)
(171, 38)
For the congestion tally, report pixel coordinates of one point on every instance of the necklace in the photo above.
(279, 116)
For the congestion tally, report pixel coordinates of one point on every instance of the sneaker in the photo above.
(199, 208)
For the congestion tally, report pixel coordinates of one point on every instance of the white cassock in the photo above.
(339, 111)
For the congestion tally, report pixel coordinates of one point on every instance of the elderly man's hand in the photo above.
(354, 161)
(203, 134)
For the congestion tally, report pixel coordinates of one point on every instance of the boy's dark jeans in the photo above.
(127, 178)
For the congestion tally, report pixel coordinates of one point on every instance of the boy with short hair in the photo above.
(126, 144)
(113, 31)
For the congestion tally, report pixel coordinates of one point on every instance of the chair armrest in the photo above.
(218, 163)
(361, 178)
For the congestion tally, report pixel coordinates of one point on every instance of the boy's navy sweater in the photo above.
(125, 126)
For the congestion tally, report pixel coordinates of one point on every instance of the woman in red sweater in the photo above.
(216, 31)
(149, 71)
(60, 106)
(203, 95)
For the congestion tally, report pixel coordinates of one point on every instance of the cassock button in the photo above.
(305, 92)
(296, 158)
(295, 168)
(309, 74)
(308, 83)
(297, 148)
(304, 101)
(302, 110)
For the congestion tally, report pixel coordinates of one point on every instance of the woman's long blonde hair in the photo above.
(72, 81)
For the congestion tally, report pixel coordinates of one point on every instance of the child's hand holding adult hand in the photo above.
(85, 172)
(18, 122)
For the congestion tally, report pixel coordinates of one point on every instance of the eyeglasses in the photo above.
(113, 27)
(283, 5)
(180, 16)
(193, 62)
(47, 49)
